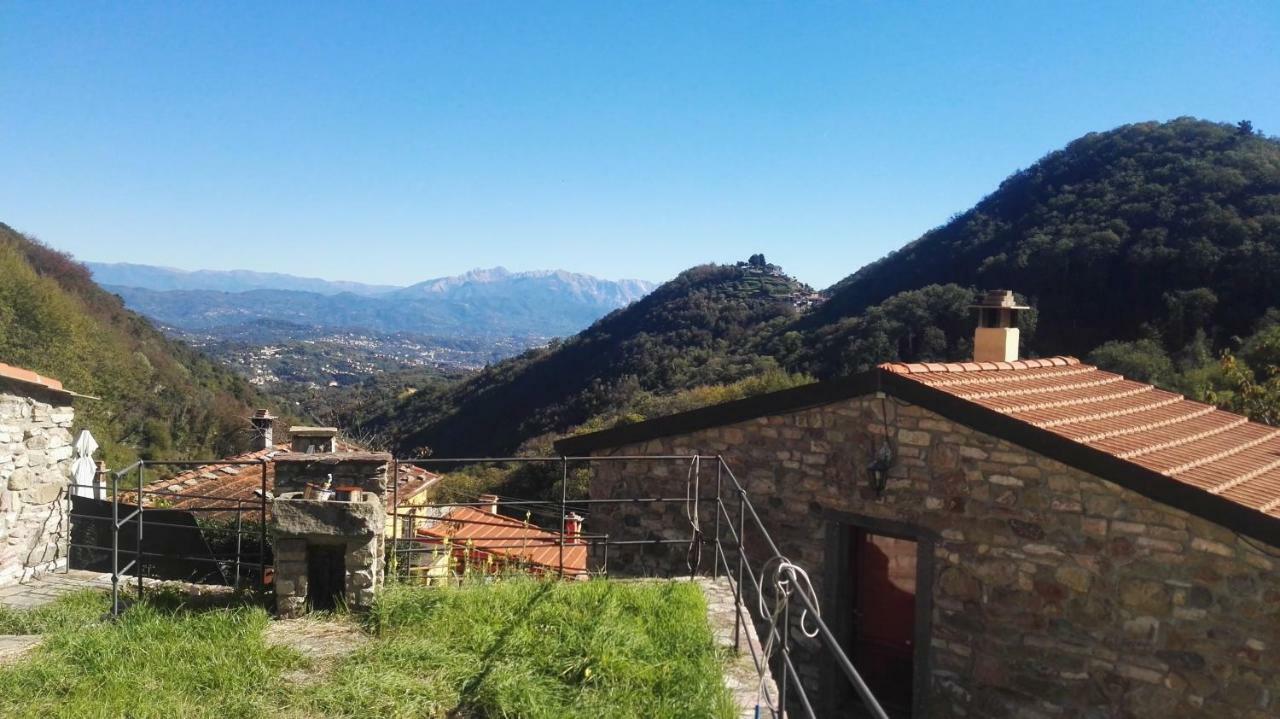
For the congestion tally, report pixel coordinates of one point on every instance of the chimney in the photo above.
(262, 422)
(313, 440)
(572, 528)
(996, 338)
(491, 500)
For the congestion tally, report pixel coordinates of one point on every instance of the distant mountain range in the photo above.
(481, 303)
(151, 277)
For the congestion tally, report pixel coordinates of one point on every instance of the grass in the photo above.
(163, 659)
(526, 648)
(517, 648)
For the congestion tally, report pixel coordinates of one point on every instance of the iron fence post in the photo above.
(395, 515)
(115, 545)
(564, 496)
(786, 656)
(737, 587)
(137, 563)
(262, 530)
(239, 528)
(715, 569)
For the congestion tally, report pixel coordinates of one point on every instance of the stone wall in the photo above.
(1054, 593)
(35, 463)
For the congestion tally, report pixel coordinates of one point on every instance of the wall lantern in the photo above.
(878, 468)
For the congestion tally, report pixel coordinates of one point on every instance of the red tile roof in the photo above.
(507, 537)
(222, 484)
(1195, 444)
(19, 374)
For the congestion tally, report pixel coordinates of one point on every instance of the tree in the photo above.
(1144, 361)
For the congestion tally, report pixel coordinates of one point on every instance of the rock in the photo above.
(20, 479)
(1074, 577)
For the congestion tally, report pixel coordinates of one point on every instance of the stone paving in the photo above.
(47, 587)
(741, 676)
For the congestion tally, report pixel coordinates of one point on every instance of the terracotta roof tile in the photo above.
(219, 487)
(507, 537)
(1215, 451)
(19, 374)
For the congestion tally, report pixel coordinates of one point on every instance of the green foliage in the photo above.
(1155, 244)
(159, 398)
(1111, 233)
(533, 649)
(1251, 383)
(1144, 360)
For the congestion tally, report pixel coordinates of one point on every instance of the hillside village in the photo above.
(1013, 454)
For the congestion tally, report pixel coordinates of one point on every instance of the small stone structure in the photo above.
(35, 462)
(328, 551)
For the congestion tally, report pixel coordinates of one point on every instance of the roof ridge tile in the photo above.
(941, 367)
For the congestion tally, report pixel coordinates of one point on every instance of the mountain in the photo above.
(691, 331)
(159, 398)
(1150, 248)
(1161, 231)
(481, 303)
(534, 288)
(125, 274)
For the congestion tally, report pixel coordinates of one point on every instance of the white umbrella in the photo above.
(84, 470)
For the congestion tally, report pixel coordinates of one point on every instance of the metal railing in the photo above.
(734, 519)
(129, 493)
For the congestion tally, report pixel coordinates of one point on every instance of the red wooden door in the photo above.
(884, 616)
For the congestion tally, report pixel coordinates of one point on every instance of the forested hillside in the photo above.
(159, 398)
(693, 331)
(1151, 248)
(1150, 229)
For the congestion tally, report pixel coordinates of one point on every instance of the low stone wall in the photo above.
(1054, 593)
(35, 460)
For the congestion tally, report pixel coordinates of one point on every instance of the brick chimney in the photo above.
(996, 338)
(572, 528)
(491, 502)
(262, 422)
(313, 440)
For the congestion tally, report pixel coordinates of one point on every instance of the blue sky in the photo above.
(395, 142)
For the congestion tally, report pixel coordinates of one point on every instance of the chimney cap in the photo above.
(313, 431)
(262, 414)
(998, 300)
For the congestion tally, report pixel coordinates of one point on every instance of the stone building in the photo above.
(1004, 538)
(35, 461)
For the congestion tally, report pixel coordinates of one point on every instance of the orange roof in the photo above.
(1216, 452)
(19, 374)
(508, 537)
(220, 484)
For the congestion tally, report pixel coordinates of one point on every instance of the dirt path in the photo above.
(323, 641)
(13, 647)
